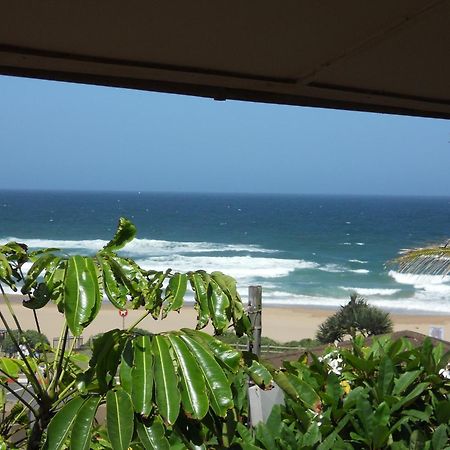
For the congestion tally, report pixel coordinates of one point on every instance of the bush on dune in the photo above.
(355, 317)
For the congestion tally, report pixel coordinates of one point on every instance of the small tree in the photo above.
(175, 389)
(355, 317)
(34, 339)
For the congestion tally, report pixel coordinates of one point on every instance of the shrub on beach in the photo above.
(355, 317)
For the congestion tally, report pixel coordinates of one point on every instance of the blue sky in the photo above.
(76, 137)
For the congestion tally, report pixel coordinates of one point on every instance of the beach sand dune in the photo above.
(280, 323)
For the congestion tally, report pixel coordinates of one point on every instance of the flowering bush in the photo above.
(386, 396)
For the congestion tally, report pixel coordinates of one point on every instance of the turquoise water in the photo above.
(303, 250)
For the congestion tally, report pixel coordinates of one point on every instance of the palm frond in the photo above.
(432, 260)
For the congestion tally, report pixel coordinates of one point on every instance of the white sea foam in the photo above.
(332, 268)
(336, 268)
(239, 267)
(371, 291)
(434, 283)
(365, 271)
(421, 304)
(357, 261)
(345, 243)
(144, 246)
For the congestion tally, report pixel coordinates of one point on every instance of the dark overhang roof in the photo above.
(384, 56)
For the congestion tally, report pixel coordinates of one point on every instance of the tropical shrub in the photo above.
(432, 260)
(386, 396)
(355, 317)
(180, 388)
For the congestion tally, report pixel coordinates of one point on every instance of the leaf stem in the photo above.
(34, 381)
(68, 355)
(59, 356)
(36, 320)
(64, 394)
(25, 403)
(135, 324)
(23, 386)
(16, 321)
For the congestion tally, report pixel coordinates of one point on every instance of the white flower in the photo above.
(334, 362)
(445, 373)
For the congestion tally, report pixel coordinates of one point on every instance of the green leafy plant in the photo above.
(386, 396)
(159, 390)
(433, 260)
(355, 317)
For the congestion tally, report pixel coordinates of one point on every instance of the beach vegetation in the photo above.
(177, 389)
(389, 395)
(355, 318)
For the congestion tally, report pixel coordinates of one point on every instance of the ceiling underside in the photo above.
(384, 56)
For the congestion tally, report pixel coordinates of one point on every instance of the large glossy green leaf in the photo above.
(152, 434)
(166, 381)
(126, 231)
(175, 293)
(283, 382)
(226, 283)
(385, 376)
(440, 437)
(142, 375)
(227, 355)
(82, 427)
(41, 296)
(259, 374)
(126, 367)
(305, 391)
(193, 390)
(219, 389)
(55, 283)
(6, 272)
(410, 397)
(219, 304)
(116, 293)
(153, 297)
(41, 264)
(106, 356)
(201, 298)
(119, 419)
(62, 423)
(9, 366)
(404, 381)
(442, 411)
(81, 293)
(128, 273)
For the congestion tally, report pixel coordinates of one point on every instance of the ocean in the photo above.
(303, 250)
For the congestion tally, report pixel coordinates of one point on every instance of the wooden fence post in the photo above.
(255, 313)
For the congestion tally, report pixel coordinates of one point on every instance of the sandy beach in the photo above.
(280, 323)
